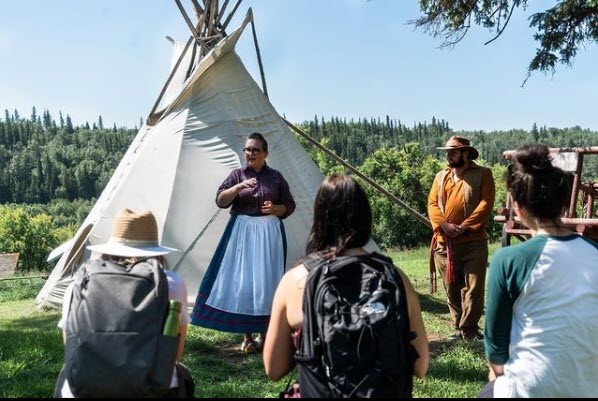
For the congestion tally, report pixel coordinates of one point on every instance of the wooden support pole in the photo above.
(200, 11)
(191, 61)
(213, 9)
(198, 8)
(587, 150)
(230, 16)
(389, 195)
(259, 58)
(190, 25)
(221, 12)
(575, 187)
(151, 120)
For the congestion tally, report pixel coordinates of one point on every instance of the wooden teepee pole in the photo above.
(194, 32)
(259, 56)
(230, 15)
(221, 12)
(367, 179)
(151, 119)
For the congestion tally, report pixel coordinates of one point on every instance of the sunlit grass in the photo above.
(31, 350)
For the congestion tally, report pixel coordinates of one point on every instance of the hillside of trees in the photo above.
(356, 140)
(41, 160)
(52, 172)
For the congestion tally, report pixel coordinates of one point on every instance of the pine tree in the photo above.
(535, 133)
(47, 120)
(68, 127)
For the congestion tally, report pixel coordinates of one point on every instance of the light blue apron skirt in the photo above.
(237, 289)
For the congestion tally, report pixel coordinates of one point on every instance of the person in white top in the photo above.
(126, 249)
(541, 331)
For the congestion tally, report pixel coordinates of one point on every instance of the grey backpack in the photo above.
(114, 345)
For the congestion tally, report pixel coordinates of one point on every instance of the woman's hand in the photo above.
(249, 183)
(225, 198)
(269, 208)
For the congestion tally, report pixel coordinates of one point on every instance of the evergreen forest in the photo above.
(51, 171)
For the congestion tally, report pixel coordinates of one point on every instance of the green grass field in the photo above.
(31, 351)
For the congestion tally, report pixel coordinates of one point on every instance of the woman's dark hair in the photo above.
(342, 216)
(259, 137)
(536, 184)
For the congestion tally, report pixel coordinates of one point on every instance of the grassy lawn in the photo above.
(31, 351)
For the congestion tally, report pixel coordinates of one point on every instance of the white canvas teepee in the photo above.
(193, 138)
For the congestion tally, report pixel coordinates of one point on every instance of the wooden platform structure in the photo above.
(582, 214)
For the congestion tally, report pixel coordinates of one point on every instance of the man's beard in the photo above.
(457, 164)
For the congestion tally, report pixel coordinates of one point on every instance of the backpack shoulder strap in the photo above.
(159, 277)
(314, 260)
(317, 260)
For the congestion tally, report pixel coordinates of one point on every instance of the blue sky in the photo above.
(346, 58)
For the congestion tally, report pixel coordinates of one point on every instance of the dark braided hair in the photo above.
(536, 184)
(342, 216)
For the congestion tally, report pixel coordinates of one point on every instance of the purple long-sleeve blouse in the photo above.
(271, 187)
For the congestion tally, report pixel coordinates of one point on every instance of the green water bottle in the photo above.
(171, 325)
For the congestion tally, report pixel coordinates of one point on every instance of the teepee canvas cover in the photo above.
(193, 139)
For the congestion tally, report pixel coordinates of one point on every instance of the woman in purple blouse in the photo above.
(236, 292)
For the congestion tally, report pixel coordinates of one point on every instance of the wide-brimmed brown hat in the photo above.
(134, 235)
(460, 142)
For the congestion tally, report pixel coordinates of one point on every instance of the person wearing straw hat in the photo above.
(134, 238)
(236, 292)
(459, 205)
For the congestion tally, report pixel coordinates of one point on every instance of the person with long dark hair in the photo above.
(541, 331)
(342, 226)
(236, 292)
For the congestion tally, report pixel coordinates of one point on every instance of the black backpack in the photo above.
(355, 339)
(115, 346)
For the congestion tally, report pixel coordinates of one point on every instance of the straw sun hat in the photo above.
(460, 142)
(134, 235)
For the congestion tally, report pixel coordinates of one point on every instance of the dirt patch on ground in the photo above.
(231, 352)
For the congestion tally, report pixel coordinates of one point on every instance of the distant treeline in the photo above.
(42, 160)
(52, 172)
(354, 140)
